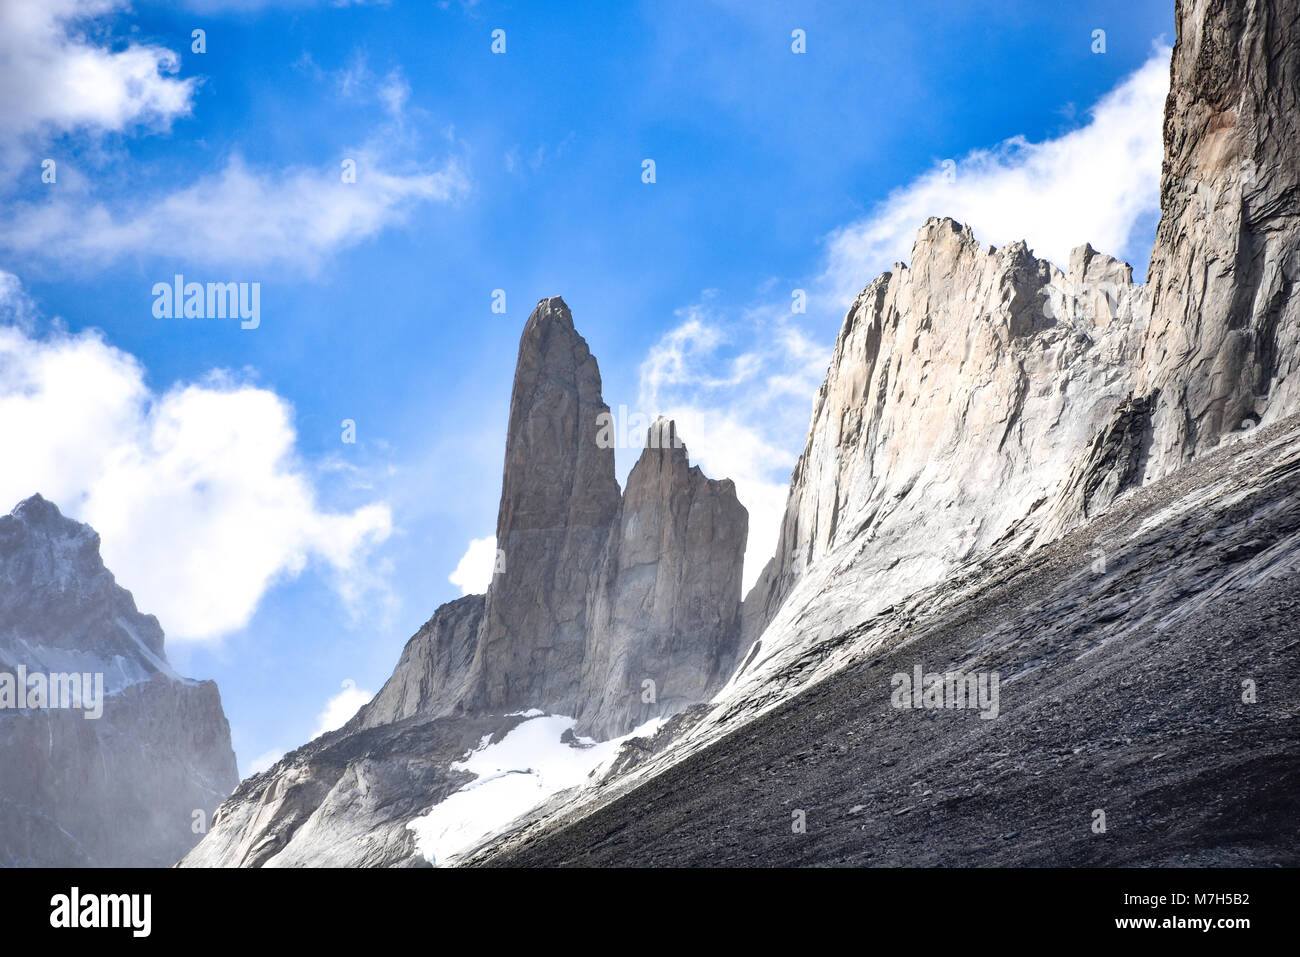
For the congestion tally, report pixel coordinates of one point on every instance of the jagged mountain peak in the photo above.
(56, 593)
(609, 608)
(41, 518)
(552, 309)
(958, 393)
(123, 788)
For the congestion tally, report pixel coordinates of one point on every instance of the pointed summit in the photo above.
(559, 499)
(118, 788)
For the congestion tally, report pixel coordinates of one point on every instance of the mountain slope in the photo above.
(906, 511)
(608, 608)
(122, 789)
(1121, 649)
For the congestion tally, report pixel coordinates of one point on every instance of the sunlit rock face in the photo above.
(959, 392)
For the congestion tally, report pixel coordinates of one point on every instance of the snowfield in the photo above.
(515, 774)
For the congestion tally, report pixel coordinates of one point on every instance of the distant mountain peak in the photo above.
(120, 790)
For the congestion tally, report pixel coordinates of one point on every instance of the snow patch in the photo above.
(514, 775)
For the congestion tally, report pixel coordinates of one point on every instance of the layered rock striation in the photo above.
(1223, 347)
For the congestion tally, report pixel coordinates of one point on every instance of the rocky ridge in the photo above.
(609, 607)
(1008, 465)
(123, 789)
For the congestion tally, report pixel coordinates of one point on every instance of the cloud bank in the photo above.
(1095, 184)
(197, 493)
(54, 78)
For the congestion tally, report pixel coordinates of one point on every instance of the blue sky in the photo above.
(210, 458)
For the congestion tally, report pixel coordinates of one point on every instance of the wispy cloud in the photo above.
(240, 216)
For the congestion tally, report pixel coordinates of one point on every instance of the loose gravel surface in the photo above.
(1128, 655)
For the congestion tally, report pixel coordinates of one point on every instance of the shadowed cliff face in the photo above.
(121, 790)
(1224, 342)
(559, 498)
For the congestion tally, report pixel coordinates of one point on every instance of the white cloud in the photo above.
(55, 78)
(473, 572)
(240, 216)
(1094, 184)
(340, 708)
(197, 494)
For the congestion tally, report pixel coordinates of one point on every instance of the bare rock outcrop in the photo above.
(133, 787)
(559, 499)
(666, 618)
(958, 394)
(1223, 348)
(432, 675)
